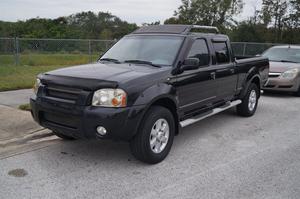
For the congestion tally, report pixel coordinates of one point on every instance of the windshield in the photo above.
(158, 50)
(283, 55)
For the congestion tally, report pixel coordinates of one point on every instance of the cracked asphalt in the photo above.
(224, 156)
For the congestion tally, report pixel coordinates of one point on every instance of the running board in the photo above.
(215, 111)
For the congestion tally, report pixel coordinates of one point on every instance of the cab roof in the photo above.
(175, 29)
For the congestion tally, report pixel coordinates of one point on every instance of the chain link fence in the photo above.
(65, 52)
(46, 52)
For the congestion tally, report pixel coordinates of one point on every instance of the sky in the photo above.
(134, 11)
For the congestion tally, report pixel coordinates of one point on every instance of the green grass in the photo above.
(23, 76)
(47, 59)
(20, 77)
(25, 107)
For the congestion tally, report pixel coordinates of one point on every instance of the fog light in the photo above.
(101, 130)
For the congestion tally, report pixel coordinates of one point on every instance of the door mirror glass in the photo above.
(190, 64)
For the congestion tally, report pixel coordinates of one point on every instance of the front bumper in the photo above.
(281, 84)
(82, 121)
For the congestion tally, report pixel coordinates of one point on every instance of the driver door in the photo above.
(196, 89)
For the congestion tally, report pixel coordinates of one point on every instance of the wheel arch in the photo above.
(171, 106)
(254, 78)
(166, 102)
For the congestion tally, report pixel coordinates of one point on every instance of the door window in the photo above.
(200, 50)
(222, 52)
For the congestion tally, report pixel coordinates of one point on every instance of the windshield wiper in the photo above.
(142, 62)
(110, 60)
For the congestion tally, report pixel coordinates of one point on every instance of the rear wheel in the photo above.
(154, 140)
(64, 137)
(249, 104)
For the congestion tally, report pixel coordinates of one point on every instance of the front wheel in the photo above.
(154, 140)
(249, 104)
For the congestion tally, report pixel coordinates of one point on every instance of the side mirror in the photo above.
(190, 64)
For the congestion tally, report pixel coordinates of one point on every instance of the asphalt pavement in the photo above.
(224, 156)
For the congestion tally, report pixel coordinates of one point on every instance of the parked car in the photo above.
(284, 69)
(147, 87)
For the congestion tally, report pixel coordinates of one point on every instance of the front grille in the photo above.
(63, 92)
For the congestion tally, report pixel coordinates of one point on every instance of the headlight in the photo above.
(36, 86)
(110, 98)
(290, 74)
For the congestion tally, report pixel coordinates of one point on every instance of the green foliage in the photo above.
(213, 12)
(35, 59)
(248, 32)
(84, 25)
(277, 22)
(25, 107)
(19, 77)
(294, 17)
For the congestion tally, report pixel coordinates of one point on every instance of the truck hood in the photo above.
(280, 67)
(99, 75)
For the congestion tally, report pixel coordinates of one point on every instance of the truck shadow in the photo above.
(109, 153)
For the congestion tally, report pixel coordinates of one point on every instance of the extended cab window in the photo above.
(200, 50)
(222, 52)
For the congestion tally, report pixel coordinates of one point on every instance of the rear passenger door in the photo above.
(226, 75)
(196, 89)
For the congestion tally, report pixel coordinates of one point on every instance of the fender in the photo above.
(251, 75)
(156, 92)
(152, 95)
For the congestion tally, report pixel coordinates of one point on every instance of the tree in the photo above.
(247, 31)
(207, 12)
(294, 17)
(84, 25)
(274, 12)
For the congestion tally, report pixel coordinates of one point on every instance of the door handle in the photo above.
(232, 71)
(213, 75)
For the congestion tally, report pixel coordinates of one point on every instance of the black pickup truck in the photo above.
(147, 87)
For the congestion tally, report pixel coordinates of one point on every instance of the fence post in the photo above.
(90, 51)
(244, 50)
(17, 51)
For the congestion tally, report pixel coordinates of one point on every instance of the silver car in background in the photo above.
(284, 69)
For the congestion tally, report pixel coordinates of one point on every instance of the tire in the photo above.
(140, 145)
(248, 108)
(62, 136)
